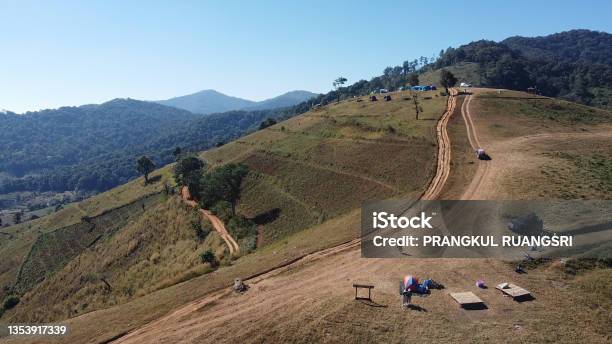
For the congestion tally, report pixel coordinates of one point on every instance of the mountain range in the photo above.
(211, 101)
(93, 147)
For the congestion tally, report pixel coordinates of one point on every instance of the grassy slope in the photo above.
(559, 165)
(156, 250)
(314, 302)
(548, 317)
(316, 168)
(359, 149)
(15, 246)
(53, 250)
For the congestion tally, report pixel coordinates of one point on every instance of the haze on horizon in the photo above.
(73, 53)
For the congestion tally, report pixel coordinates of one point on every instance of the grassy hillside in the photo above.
(53, 250)
(305, 171)
(569, 150)
(18, 240)
(313, 301)
(298, 219)
(356, 149)
(154, 251)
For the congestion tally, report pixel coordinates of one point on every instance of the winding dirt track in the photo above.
(469, 124)
(444, 151)
(154, 331)
(214, 220)
(482, 171)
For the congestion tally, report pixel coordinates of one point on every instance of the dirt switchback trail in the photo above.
(179, 326)
(214, 220)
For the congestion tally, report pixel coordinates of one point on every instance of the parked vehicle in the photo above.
(482, 155)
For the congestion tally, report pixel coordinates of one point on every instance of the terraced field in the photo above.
(357, 148)
(53, 250)
(18, 241)
(154, 248)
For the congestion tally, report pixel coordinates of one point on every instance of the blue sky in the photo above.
(57, 53)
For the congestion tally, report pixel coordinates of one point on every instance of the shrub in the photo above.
(267, 123)
(209, 257)
(223, 210)
(10, 302)
(198, 230)
(240, 227)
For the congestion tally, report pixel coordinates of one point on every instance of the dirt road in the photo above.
(469, 123)
(444, 151)
(470, 192)
(217, 224)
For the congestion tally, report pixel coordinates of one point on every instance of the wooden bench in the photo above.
(468, 300)
(363, 286)
(514, 291)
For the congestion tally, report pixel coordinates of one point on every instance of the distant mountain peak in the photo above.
(212, 101)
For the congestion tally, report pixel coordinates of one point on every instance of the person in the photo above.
(405, 292)
(407, 296)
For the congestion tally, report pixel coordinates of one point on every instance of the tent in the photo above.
(423, 88)
(411, 283)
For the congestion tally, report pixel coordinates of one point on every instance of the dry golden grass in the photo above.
(98, 326)
(157, 250)
(357, 148)
(14, 250)
(548, 148)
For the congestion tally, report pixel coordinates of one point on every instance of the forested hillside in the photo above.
(576, 65)
(95, 147)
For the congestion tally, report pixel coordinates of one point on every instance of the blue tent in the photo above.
(423, 88)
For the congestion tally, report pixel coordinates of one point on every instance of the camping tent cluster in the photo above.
(423, 88)
(411, 284)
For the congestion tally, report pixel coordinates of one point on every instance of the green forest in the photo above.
(95, 147)
(575, 65)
